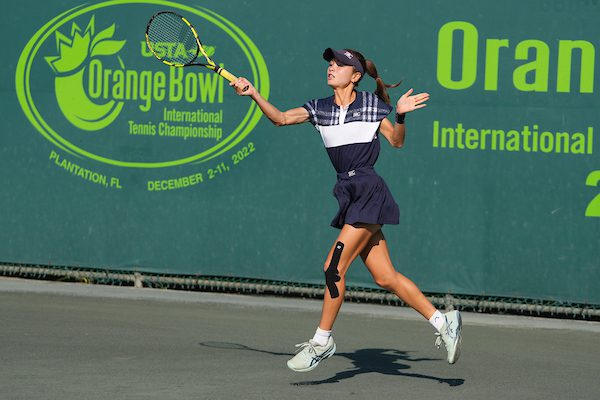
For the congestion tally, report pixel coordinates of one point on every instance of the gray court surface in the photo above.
(75, 341)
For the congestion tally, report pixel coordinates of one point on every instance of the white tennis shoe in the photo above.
(310, 354)
(450, 336)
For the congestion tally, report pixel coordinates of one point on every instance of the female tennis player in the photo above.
(349, 122)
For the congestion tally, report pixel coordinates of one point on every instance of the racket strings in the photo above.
(171, 39)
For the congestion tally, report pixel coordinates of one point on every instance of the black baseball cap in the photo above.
(344, 57)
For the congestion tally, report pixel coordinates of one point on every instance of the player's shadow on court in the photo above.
(238, 346)
(382, 361)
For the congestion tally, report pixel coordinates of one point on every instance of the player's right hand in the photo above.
(240, 84)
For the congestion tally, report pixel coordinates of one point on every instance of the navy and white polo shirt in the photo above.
(349, 135)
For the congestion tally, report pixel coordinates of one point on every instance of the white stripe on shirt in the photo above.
(350, 133)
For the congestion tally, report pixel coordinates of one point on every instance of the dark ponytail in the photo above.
(371, 69)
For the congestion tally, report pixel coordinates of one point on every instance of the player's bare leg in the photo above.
(350, 242)
(376, 257)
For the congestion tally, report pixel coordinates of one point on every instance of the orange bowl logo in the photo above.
(88, 83)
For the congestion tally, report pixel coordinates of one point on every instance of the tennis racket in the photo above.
(175, 42)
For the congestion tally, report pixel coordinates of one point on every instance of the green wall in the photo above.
(498, 183)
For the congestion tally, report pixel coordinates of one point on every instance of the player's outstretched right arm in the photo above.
(277, 117)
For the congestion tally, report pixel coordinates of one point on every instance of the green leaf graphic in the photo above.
(107, 47)
(70, 64)
(210, 50)
(105, 34)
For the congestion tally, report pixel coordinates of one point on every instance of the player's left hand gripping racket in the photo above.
(175, 42)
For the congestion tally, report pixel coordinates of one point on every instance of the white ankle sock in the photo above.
(437, 320)
(321, 336)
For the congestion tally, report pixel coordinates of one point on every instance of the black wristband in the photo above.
(400, 118)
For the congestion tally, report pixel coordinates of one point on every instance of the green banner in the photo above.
(112, 159)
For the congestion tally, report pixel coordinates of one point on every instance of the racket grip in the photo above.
(229, 76)
(226, 74)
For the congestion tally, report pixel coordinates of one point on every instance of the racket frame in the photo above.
(199, 49)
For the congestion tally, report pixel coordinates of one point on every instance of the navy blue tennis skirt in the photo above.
(364, 197)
